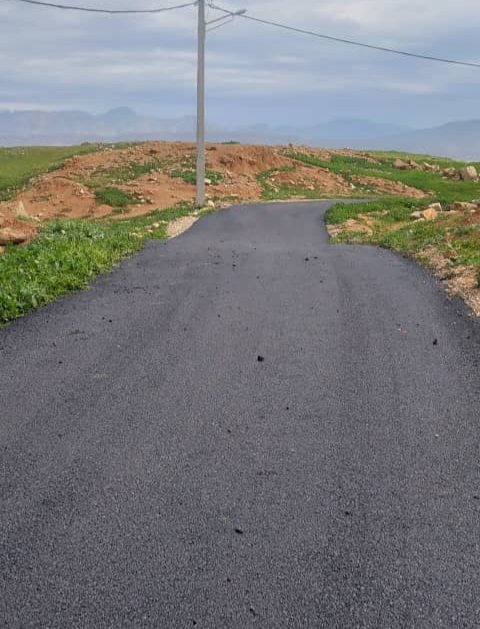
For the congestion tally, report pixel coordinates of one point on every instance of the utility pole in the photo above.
(201, 105)
(202, 36)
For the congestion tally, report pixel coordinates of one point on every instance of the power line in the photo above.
(348, 41)
(110, 11)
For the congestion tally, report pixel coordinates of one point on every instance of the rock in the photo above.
(20, 211)
(413, 164)
(2, 249)
(452, 173)
(208, 182)
(432, 168)
(9, 235)
(430, 214)
(469, 173)
(351, 225)
(462, 206)
(401, 165)
(210, 203)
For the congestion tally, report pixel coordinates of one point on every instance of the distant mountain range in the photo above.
(21, 128)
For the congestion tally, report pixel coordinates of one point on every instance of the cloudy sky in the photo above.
(52, 59)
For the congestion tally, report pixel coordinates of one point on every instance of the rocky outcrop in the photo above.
(463, 206)
(467, 173)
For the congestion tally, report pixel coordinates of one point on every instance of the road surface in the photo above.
(157, 473)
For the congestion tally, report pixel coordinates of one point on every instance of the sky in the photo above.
(55, 60)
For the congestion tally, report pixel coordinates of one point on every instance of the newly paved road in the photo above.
(155, 474)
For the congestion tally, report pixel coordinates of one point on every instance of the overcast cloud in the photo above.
(51, 59)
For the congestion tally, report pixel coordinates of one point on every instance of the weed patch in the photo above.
(115, 197)
(190, 176)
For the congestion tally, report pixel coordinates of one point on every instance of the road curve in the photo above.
(156, 474)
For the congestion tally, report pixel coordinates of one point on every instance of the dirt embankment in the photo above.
(158, 175)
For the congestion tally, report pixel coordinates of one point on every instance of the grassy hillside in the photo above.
(19, 165)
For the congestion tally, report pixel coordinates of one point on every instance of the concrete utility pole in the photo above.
(201, 105)
(202, 35)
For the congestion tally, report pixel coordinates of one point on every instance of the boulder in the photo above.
(430, 214)
(413, 164)
(469, 173)
(401, 165)
(210, 203)
(9, 235)
(208, 182)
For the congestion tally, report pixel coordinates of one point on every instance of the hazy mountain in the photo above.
(342, 129)
(34, 127)
(456, 139)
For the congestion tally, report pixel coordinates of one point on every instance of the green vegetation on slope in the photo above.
(190, 176)
(19, 165)
(451, 235)
(103, 177)
(443, 189)
(115, 197)
(67, 255)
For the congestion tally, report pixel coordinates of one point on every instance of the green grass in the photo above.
(443, 190)
(102, 176)
(19, 165)
(67, 255)
(280, 191)
(115, 197)
(397, 209)
(190, 176)
(393, 229)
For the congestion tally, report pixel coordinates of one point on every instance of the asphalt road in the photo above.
(155, 474)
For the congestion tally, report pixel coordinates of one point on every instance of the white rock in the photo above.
(469, 173)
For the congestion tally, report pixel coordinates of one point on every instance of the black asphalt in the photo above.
(156, 474)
